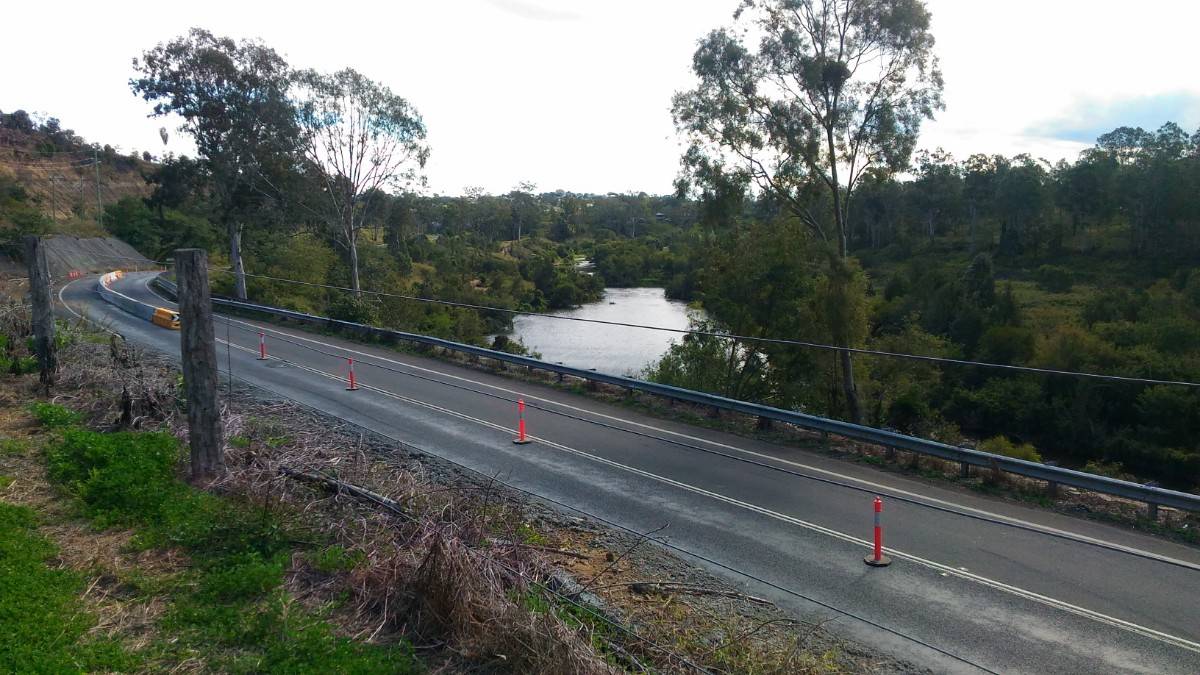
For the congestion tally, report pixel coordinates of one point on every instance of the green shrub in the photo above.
(121, 477)
(1000, 445)
(13, 446)
(1007, 344)
(1054, 279)
(42, 624)
(242, 576)
(234, 594)
(1110, 469)
(1174, 467)
(336, 558)
(355, 310)
(54, 416)
(1108, 306)
(213, 527)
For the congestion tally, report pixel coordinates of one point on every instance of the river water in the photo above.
(615, 350)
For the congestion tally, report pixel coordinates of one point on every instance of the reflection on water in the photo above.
(616, 350)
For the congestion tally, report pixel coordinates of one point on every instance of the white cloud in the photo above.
(529, 10)
(576, 93)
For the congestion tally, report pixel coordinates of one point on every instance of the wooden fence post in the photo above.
(199, 357)
(43, 312)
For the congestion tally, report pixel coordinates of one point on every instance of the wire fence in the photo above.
(412, 448)
(373, 362)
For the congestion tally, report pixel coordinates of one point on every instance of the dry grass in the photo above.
(103, 557)
(456, 565)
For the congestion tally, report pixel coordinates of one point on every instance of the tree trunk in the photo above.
(235, 260)
(352, 240)
(839, 215)
(974, 225)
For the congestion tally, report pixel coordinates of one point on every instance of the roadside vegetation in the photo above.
(1086, 265)
(323, 550)
(227, 606)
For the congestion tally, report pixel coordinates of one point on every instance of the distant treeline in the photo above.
(1087, 265)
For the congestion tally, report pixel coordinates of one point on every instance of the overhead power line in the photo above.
(373, 361)
(491, 479)
(71, 164)
(741, 338)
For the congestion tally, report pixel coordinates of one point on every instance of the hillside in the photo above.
(65, 254)
(66, 177)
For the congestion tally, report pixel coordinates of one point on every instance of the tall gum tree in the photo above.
(233, 99)
(800, 98)
(358, 139)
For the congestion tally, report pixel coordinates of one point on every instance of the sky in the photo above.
(575, 94)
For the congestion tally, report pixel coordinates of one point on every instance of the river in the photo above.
(615, 350)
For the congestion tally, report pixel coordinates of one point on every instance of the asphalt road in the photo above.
(999, 598)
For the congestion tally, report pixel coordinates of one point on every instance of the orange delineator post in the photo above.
(520, 439)
(353, 383)
(877, 558)
(262, 346)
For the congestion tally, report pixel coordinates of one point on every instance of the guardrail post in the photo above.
(1152, 507)
(991, 468)
(964, 470)
(199, 356)
(43, 312)
(1051, 486)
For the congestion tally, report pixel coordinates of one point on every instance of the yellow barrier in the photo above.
(165, 318)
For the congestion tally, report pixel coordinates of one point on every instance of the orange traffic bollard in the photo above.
(520, 439)
(877, 558)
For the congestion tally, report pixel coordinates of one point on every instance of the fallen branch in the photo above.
(352, 490)
(544, 549)
(648, 587)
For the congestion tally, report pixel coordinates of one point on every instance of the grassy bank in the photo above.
(209, 570)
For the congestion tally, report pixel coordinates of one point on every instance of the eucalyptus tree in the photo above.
(937, 192)
(232, 97)
(800, 98)
(358, 138)
(526, 211)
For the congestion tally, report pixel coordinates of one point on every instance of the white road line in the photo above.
(79, 316)
(749, 453)
(946, 569)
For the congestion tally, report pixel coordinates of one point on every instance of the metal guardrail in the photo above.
(1154, 496)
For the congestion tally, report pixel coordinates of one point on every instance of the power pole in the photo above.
(43, 313)
(199, 352)
(99, 204)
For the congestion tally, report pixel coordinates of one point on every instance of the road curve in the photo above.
(1000, 598)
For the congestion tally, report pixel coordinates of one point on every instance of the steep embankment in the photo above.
(68, 179)
(91, 254)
